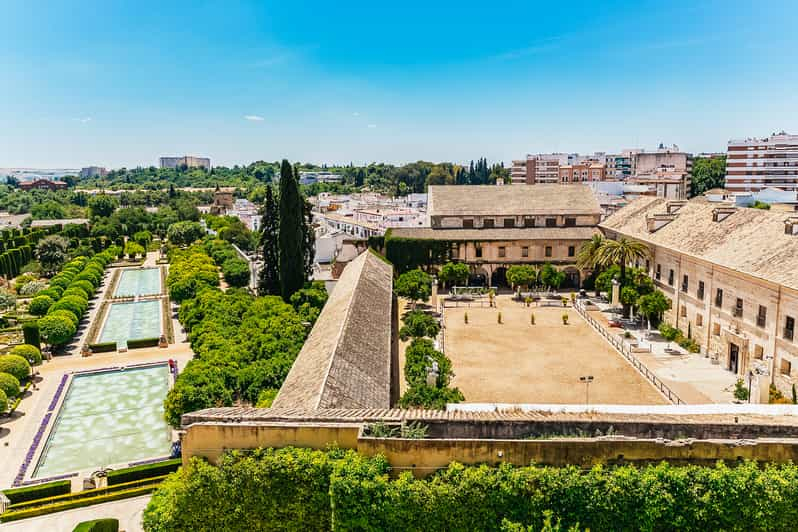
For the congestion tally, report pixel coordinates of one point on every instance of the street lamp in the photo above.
(587, 379)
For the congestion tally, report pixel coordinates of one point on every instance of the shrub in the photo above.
(499, 318)
(532, 318)
(32, 288)
(266, 398)
(38, 491)
(98, 525)
(30, 331)
(142, 342)
(57, 329)
(104, 347)
(15, 365)
(9, 384)
(66, 314)
(77, 292)
(129, 474)
(740, 391)
(84, 285)
(29, 352)
(3, 401)
(72, 303)
(40, 304)
(418, 324)
(565, 318)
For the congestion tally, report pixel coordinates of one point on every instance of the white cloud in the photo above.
(253, 118)
(372, 126)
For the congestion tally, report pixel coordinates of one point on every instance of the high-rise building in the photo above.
(93, 171)
(753, 164)
(189, 161)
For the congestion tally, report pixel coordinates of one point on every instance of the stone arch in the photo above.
(573, 279)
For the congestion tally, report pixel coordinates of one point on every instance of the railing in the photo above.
(628, 355)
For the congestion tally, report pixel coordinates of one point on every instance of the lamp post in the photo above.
(587, 379)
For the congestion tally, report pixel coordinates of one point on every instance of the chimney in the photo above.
(673, 207)
(791, 225)
(721, 213)
(655, 222)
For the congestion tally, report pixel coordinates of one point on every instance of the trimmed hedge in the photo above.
(30, 331)
(104, 347)
(38, 491)
(16, 366)
(143, 342)
(303, 489)
(78, 503)
(98, 525)
(85, 494)
(130, 474)
(29, 352)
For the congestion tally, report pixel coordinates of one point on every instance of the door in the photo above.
(734, 356)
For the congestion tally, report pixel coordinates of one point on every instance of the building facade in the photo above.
(93, 171)
(753, 164)
(731, 275)
(43, 184)
(491, 228)
(189, 161)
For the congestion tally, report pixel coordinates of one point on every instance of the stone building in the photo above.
(492, 228)
(731, 275)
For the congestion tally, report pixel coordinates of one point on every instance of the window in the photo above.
(524, 251)
(570, 222)
(719, 298)
(502, 252)
(548, 251)
(529, 222)
(468, 224)
(571, 251)
(683, 311)
(551, 222)
(659, 272)
(479, 252)
(759, 353)
(789, 328)
(786, 367)
(685, 283)
(716, 329)
(509, 222)
(670, 277)
(648, 267)
(699, 320)
(738, 308)
(762, 316)
(487, 222)
(700, 293)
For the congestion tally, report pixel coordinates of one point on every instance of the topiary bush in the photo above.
(40, 304)
(30, 353)
(57, 328)
(30, 330)
(3, 401)
(84, 285)
(15, 365)
(9, 384)
(98, 525)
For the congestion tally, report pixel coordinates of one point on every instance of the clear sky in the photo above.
(119, 83)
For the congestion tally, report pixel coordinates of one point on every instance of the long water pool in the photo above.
(132, 321)
(109, 418)
(139, 282)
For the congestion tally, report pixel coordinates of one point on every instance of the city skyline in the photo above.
(124, 84)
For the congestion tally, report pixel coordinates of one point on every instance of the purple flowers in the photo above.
(58, 392)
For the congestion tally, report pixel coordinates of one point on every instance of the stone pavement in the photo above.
(128, 511)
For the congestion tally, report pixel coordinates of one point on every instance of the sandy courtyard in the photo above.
(521, 363)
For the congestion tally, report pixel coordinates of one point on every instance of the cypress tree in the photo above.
(292, 269)
(269, 275)
(308, 239)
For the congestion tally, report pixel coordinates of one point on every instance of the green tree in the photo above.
(551, 277)
(15, 365)
(184, 233)
(419, 324)
(456, 273)
(269, 274)
(708, 173)
(3, 402)
(291, 233)
(622, 252)
(653, 305)
(51, 252)
(522, 275)
(588, 257)
(102, 205)
(414, 285)
(236, 272)
(56, 329)
(308, 239)
(143, 238)
(133, 248)
(28, 352)
(9, 385)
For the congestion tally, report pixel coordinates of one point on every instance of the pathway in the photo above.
(128, 511)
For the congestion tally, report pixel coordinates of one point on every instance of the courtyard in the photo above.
(516, 362)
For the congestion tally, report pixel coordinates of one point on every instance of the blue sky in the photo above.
(121, 83)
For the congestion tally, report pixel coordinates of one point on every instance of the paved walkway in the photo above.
(128, 511)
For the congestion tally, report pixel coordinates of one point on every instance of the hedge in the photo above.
(316, 490)
(98, 525)
(30, 331)
(143, 342)
(85, 494)
(38, 491)
(78, 503)
(130, 474)
(104, 347)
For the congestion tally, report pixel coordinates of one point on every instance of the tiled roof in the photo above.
(481, 200)
(521, 233)
(345, 362)
(751, 241)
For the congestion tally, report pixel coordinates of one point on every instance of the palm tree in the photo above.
(621, 252)
(588, 256)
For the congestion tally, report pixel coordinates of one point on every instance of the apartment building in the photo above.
(582, 173)
(490, 227)
(189, 161)
(731, 275)
(753, 164)
(540, 168)
(93, 171)
(667, 172)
